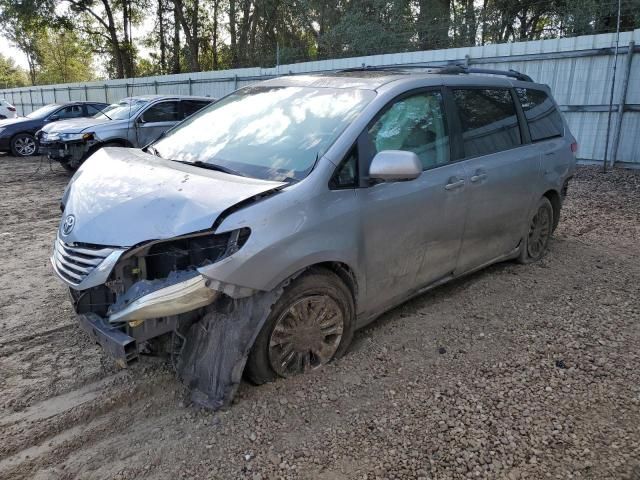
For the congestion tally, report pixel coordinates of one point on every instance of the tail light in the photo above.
(574, 147)
(11, 109)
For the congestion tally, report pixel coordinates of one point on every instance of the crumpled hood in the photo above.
(76, 125)
(122, 196)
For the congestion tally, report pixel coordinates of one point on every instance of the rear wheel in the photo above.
(311, 324)
(23, 145)
(539, 233)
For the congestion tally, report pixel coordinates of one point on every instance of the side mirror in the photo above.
(54, 118)
(395, 165)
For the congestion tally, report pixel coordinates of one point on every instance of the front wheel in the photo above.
(539, 233)
(23, 145)
(311, 324)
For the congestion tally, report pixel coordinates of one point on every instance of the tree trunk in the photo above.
(216, 5)
(115, 42)
(233, 33)
(176, 43)
(163, 45)
(433, 23)
(189, 33)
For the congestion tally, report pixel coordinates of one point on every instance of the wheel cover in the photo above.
(539, 232)
(25, 146)
(306, 335)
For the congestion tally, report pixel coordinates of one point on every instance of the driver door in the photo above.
(412, 230)
(155, 120)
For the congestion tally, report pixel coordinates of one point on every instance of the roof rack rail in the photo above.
(453, 69)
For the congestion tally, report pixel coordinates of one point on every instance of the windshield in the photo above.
(273, 133)
(43, 111)
(121, 110)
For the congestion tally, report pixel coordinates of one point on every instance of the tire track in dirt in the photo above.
(74, 420)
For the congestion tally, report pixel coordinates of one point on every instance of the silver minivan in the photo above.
(260, 233)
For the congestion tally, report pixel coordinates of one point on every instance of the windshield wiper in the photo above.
(212, 166)
(102, 113)
(152, 150)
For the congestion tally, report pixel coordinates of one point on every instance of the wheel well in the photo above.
(345, 273)
(556, 203)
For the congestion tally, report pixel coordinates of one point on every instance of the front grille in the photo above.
(75, 263)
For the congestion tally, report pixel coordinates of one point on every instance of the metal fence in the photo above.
(579, 70)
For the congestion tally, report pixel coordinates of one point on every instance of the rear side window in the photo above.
(189, 107)
(488, 119)
(542, 115)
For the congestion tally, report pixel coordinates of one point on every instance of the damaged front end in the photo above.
(148, 299)
(67, 148)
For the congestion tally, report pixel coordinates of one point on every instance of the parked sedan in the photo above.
(263, 230)
(17, 135)
(7, 110)
(132, 122)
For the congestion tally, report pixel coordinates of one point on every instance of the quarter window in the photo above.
(542, 115)
(416, 124)
(346, 175)
(488, 119)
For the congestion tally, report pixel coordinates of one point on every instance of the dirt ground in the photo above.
(514, 372)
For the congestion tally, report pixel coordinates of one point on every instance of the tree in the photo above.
(10, 74)
(64, 58)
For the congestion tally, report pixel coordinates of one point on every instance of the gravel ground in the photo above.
(515, 372)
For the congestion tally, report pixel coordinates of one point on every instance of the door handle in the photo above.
(454, 184)
(479, 175)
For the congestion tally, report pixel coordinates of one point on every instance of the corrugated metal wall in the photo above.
(579, 71)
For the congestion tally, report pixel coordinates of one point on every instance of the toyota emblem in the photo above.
(68, 224)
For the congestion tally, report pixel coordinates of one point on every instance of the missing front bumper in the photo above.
(120, 346)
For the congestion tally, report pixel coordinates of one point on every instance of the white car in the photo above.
(7, 110)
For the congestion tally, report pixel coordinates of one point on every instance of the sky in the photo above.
(20, 58)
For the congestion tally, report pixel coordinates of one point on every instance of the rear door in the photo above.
(412, 230)
(157, 118)
(502, 167)
(546, 130)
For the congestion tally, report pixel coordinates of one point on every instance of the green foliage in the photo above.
(195, 35)
(10, 74)
(64, 58)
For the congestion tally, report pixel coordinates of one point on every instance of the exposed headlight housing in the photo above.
(74, 137)
(161, 279)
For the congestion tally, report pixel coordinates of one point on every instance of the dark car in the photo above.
(17, 135)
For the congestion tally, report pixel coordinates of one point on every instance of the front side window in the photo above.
(488, 120)
(161, 112)
(542, 115)
(274, 133)
(72, 111)
(416, 124)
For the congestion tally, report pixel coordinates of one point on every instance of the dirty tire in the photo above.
(24, 145)
(539, 231)
(318, 290)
